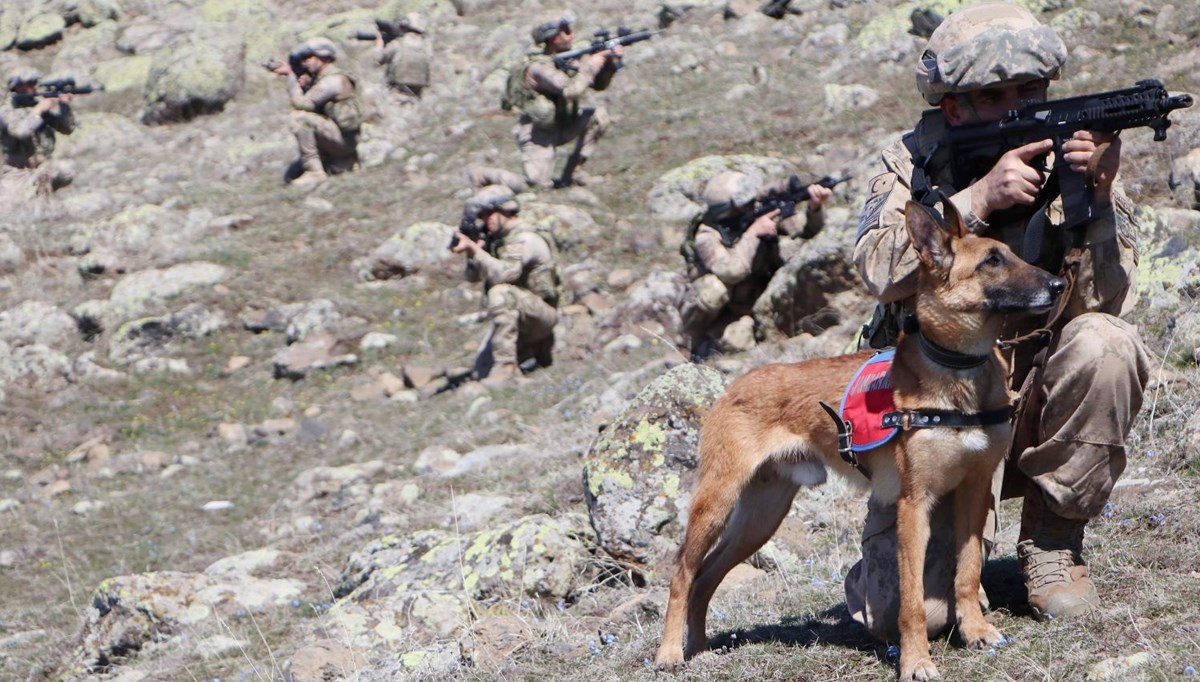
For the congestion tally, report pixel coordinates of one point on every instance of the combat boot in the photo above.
(314, 172)
(1050, 550)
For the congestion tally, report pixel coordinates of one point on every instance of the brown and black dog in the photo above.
(767, 436)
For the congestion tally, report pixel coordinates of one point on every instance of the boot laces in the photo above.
(1046, 566)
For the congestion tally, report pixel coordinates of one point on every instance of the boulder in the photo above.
(653, 305)
(152, 336)
(536, 556)
(1185, 179)
(637, 470)
(193, 76)
(137, 292)
(675, 195)
(130, 612)
(40, 29)
(36, 322)
(798, 297)
(328, 660)
(321, 350)
(407, 251)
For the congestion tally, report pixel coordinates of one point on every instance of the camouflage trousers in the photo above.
(538, 144)
(20, 184)
(323, 145)
(1069, 442)
(710, 318)
(522, 328)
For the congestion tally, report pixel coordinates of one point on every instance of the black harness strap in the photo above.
(845, 431)
(949, 419)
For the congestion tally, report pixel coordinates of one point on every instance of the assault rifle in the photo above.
(784, 200)
(294, 61)
(390, 30)
(980, 145)
(470, 227)
(54, 88)
(602, 40)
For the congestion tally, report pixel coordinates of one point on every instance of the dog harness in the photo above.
(868, 416)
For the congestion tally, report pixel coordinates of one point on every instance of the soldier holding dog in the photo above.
(1081, 393)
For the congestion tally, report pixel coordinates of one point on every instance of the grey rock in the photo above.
(152, 336)
(328, 660)
(652, 304)
(637, 469)
(407, 251)
(36, 322)
(194, 76)
(319, 351)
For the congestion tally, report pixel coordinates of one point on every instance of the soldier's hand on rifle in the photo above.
(467, 245)
(615, 54)
(817, 196)
(378, 40)
(1080, 150)
(46, 104)
(597, 60)
(281, 68)
(1013, 180)
(766, 225)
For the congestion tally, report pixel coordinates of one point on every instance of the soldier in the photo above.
(404, 52)
(1081, 393)
(327, 113)
(516, 265)
(549, 101)
(28, 127)
(728, 270)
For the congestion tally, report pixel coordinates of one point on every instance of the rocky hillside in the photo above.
(234, 442)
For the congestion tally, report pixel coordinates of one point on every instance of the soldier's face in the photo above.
(491, 220)
(992, 104)
(562, 40)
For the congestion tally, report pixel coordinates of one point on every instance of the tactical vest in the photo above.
(25, 153)
(346, 112)
(409, 63)
(542, 110)
(542, 280)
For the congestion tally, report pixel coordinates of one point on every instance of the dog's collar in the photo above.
(940, 355)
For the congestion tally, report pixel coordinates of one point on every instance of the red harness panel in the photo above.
(867, 399)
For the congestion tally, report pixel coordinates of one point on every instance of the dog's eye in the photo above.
(994, 259)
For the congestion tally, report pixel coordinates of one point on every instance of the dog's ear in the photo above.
(929, 239)
(954, 223)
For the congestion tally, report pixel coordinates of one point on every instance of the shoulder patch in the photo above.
(878, 190)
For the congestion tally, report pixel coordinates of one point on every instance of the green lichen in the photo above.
(889, 24)
(125, 73)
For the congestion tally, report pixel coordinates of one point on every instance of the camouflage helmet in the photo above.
(730, 189)
(985, 45)
(551, 24)
(23, 75)
(491, 198)
(319, 46)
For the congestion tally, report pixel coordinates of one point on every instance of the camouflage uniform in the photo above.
(407, 59)
(551, 115)
(28, 139)
(521, 284)
(717, 309)
(326, 118)
(1083, 391)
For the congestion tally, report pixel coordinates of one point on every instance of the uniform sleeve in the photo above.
(548, 80)
(520, 251)
(320, 94)
(1107, 271)
(61, 118)
(731, 264)
(883, 252)
(22, 124)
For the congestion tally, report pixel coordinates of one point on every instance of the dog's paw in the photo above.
(918, 671)
(669, 660)
(981, 637)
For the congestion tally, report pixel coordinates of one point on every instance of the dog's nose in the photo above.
(1057, 285)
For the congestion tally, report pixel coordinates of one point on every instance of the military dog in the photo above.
(768, 435)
